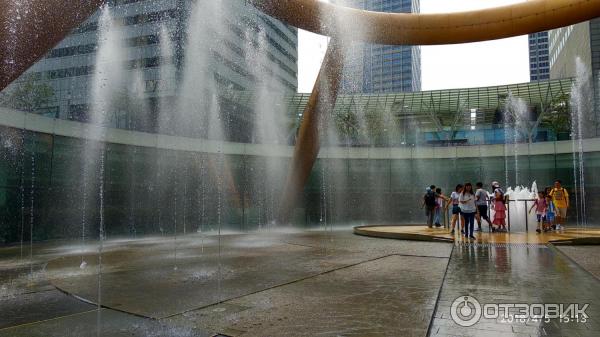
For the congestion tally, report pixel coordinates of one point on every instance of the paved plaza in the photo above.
(312, 283)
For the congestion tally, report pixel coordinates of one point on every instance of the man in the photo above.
(560, 199)
(481, 201)
(429, 202)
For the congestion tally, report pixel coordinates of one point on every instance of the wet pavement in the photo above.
(390, 296)
(513, 274)
(588, 257)
(266, 284)
(201, 274)
(313, 283)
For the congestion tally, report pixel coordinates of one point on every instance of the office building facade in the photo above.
(578, 42)
(539, 59)
(372, 68)
(69, 67)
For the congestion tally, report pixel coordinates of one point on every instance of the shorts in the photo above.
(561, 212)
(541, 217)
(455, 209)
(483, 211)
(550, 216)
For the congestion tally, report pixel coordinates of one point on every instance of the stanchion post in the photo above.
(526, 218)
(508, 210)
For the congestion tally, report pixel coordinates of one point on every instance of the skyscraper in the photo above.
(539, 63)
(378, 68)
(578, 44)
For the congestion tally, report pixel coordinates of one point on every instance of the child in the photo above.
(439, 203)
(500, 210)
(540, 206)
(550, 212)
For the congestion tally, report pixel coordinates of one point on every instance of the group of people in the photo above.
(470, 205)
(551, 208)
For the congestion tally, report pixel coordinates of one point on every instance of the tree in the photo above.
(557, 117)
(376, 128)
(28, 95)
(348, 126)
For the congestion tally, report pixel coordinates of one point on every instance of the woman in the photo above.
(499, 210)
(468, 209)
(456, 207)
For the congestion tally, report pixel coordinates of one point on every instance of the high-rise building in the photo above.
(539, 62)
(372, 68)
(69, 67)
(578, 44)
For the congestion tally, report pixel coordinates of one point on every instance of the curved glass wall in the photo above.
(156, 184)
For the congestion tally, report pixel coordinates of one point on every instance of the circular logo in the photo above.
(465, 311)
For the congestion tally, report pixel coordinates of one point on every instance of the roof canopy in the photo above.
(443, 109)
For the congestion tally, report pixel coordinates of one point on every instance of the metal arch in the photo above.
(428, 29)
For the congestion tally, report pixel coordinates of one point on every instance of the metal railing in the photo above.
(448, 215)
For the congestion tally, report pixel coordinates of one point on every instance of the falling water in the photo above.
(203, 183)
(84, 179)
(185, 189)
(17, 11)
(167, 116)
(219, 212)
(507, 137)
(176, 190)
(268, 114)
(333, 22)
(101, 242)
(582, 107)
(22, 189)
(323, 216)
(31, 210)
(136, 91)
(515, 117)
(197, 110)
(106, 84)
(196, 100)
(132, 191)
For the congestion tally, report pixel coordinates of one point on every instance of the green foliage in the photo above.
(28, 95)
(376, 128)
(348, 127)
(557, 117)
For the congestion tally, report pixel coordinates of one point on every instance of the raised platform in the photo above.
(570, 236)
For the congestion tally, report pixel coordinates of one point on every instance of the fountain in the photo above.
(31, 210)
(513, 112)
(521, 200)
(582, 111)
(107, 83)
(269, 121)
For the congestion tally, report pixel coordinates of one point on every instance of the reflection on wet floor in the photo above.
(292, 284)
(516, 274)
(302, 283)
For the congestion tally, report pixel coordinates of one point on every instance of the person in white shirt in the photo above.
(456, 216)
(468, 209)
(481, 200)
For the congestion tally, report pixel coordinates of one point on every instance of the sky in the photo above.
(443, 67)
